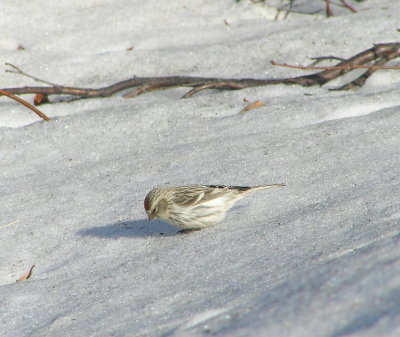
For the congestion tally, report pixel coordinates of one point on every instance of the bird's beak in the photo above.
(151, 216)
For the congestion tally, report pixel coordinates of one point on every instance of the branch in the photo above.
(378, 55)
(143, 84)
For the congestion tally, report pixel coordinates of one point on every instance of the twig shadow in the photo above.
(134, 228)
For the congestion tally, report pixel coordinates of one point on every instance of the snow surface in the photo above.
(320, 257)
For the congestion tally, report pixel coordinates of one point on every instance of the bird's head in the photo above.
(156, 204)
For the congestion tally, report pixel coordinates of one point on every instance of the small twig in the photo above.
(19, 71)
(345, 67)
(28, 105)
(324, 58)
(9, 224)
(138, 91)
(282, 8)
(329, 11)
(220, 86)
(348, 6)
(289, 9)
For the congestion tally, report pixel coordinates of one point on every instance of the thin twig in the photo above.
(28, 105)
(345, 67)
(329, 11)
(324, 58)
(221, 86)
(348, 6)
(282, 8)
(289, 10)
(9, 224)
(19, 71)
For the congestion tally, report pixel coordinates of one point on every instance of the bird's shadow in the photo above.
(134, 228)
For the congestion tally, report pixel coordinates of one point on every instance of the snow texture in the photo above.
(319, 257)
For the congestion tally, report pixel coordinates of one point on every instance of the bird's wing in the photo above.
(198, 194)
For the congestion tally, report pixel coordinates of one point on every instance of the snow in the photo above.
(319, 257)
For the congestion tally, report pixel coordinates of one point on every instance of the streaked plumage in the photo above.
(194, 207)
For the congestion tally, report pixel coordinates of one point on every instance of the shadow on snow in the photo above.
(134, 228)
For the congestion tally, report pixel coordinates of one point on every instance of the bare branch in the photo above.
(378, 56)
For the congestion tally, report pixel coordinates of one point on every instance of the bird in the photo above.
(194, 207)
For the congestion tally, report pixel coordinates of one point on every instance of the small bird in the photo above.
(194, 207)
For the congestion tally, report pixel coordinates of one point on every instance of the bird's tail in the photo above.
(261, 187)
(245, 190)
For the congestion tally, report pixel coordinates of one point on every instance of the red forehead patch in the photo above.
(146, 205)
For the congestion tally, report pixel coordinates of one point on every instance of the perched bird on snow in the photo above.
(193, 207)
